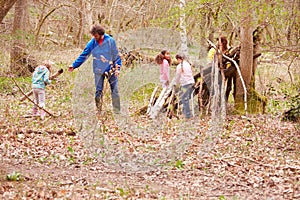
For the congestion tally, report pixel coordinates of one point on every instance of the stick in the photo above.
(32, 100)
(25, 96)
(152, 99)
(200, 100)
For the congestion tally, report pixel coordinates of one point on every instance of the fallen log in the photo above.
(59, 72)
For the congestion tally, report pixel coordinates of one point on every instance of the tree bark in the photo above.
(246, 57)
(255, 102)
(20, 61)
(80, 24)
(183, 36)
(88, 14)
(5, 6)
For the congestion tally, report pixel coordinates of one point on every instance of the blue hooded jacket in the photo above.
(102, 54)
(40, 77)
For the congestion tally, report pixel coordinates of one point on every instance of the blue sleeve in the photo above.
(84, 55)
(115, 54)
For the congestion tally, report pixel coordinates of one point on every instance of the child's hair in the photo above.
(160, 57)
(181, 57)
(48, 64)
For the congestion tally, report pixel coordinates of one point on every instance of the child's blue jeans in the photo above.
(185, 94)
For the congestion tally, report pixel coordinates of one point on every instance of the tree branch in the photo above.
(31, 99)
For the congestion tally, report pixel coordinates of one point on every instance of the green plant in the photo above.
(122, 192)
(71, 150)
(179, 164)
(222, 197)
(71, 157)
(14, 176)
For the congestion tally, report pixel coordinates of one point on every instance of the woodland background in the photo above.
(253, 156)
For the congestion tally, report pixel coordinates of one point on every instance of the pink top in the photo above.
(184, 73)
(164, 72)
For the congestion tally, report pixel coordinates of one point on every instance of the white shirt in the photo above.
(184, 73)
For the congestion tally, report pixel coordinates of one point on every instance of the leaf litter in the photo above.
(253, 158)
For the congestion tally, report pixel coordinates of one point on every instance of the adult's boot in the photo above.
(98, 101)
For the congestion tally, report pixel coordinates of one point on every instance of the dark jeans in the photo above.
(113, 82)
(185, 95)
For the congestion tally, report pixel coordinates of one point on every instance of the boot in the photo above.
(98, 101)
(116, 105)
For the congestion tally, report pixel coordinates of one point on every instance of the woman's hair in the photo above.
(97, 29)
(160, 57)
(224, 43)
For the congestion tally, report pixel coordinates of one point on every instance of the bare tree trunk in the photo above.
(88, 13)
(19, 58)
(183, 36)
(80, 24)
(246, 58)
(248, 64)
(5, 6)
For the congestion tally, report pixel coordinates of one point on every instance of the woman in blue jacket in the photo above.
(106, 63)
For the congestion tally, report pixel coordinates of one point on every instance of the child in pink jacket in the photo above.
(164, 60)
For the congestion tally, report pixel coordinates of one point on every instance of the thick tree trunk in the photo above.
(21, 63)
(258, 102)
(255, 102)
(5, 6)
(246, 60)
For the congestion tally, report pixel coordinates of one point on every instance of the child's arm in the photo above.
(47, 81)
(165, 72)
(178, 74)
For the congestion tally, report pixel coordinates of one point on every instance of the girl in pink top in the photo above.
(164, 60)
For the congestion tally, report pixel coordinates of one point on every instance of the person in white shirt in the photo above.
(184, 76)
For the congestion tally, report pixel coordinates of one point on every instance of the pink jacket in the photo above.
(164, 72)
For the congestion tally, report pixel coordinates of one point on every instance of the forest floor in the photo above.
(253, 157)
